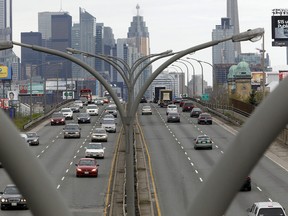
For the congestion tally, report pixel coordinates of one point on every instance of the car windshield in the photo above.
(83, 115)
(31, 134)
(173, 114)
(87, 162)
(92, 107)
(11, 190)
(100, 130)
(71, 127)
(205, 116)
(108, 121)
(172, 106)
(111, 108)
(57, 115)
(146, 107)
(196, 109)
(94, 146)
(66, 110)
(271, 212)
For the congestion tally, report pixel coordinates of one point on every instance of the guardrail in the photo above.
(39, 119)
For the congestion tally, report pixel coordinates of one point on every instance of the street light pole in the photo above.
(187, 87)
(193, 76)
(183, 78)
(50, 205)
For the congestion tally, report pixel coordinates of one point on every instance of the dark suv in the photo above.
(72, 130)
(187, 106)
(12, 198)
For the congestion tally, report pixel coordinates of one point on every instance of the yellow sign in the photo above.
(3, 71)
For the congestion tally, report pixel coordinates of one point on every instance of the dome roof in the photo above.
(231, 73)
(242, 70)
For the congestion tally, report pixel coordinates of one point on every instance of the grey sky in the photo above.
(172, 24)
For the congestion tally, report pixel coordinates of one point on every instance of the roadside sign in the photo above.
(205, 97)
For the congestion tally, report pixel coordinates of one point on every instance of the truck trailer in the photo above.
(165, 97)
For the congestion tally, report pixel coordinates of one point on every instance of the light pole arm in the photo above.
(82, 64)
(149, 63)
(104, 58)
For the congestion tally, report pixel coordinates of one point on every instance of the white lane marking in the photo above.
(189, 158)
(67, 170)
(270, 200)
(196, 171)
(259, 188)
(192, 164)
(71, 163)
(58, 186)
(63, 178)
(185, 153)
(201, 179)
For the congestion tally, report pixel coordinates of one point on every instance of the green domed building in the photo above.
(239, 80)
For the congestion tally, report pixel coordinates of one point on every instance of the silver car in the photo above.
(99, 134)
(95, 150)
(109, 125)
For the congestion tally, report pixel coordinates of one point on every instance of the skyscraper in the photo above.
(5, 26)
(139, 33)
(232, 13)
(7, 57)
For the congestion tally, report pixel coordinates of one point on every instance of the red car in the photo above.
(87, 167)
(57, 118)
(187, 106)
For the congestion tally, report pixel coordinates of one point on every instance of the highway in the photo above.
(85, 196)
(179, 170)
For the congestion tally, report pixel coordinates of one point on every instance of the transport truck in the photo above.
(165, 97)
(157, 93)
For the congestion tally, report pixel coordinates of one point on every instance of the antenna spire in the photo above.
(138, 8)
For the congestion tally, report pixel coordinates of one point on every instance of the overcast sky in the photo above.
(172, 24)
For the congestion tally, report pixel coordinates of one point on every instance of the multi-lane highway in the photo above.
(179, 170)
(84, 196)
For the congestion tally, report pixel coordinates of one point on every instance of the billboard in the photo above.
(279, 23)
(5, 73)
(12, 95)
(60, 85)
(257, 78)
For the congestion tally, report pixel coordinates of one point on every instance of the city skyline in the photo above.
(165, 28)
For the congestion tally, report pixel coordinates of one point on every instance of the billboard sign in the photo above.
(5, 73)
(60, 85)
(257, 78)
(279, 23)
(12, 95)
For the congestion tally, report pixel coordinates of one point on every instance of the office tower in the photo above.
(30, 59)
(44, 23)
(223, 53)
(7, 57)
(139, 32)
(232, 13)
(87, 39)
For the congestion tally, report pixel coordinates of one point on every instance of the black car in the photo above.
(32, 138)
(195, 112)
(72, 130)
(173, 117)
(143, 100)
(11, 198)
(83, 118)
(75, 109)
(247, 184)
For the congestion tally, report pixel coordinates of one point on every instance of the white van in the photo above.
(266, 208)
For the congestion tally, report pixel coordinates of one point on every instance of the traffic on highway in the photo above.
(183, 154)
